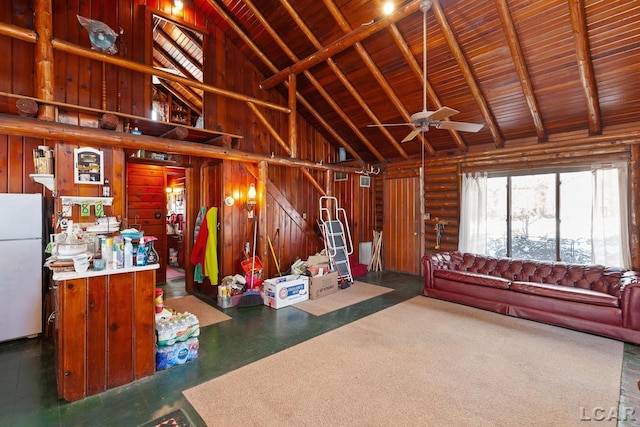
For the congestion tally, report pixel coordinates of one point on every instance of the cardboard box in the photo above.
(287, 290)
(318, 260)
(321, 286)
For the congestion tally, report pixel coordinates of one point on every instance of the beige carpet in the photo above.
(206, 314)
(423, 363)
(357, 292)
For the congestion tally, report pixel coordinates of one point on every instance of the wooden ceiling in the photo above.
(528, 70)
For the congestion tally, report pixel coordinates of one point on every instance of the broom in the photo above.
(251, 297)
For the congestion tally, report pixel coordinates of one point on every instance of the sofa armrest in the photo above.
(630, 299)
(432, 262)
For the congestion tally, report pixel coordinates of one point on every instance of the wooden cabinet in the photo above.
(106, 331)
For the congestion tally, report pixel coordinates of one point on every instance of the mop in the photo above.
(251, 297)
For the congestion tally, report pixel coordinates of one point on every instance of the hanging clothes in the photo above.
(201, 234)
(205, 251)
(211, 252)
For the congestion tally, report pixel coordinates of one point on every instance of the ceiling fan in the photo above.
(423, 119)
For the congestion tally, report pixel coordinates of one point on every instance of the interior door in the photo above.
(146, 207)
(402, 225)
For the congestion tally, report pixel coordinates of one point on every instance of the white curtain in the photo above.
(473, 214)
(610, 225)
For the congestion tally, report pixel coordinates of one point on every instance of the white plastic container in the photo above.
(128, 253)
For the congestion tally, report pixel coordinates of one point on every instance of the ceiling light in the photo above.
(388, 8)
(178, 5)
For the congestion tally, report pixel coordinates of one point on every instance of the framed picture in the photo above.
(365, 181)
(88, 166)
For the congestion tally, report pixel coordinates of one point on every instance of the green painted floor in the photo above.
(28, 395)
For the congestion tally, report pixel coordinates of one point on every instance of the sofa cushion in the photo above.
(568, 293)
(473, 278)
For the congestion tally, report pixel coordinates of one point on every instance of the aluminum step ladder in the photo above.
(337, 237)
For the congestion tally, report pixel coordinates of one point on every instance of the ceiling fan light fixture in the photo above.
(388, 8)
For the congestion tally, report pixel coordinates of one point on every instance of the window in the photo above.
(577, 216)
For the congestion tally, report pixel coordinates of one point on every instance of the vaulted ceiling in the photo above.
(527, 70)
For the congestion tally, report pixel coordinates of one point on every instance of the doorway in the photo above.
(402, 225)
(176, 194)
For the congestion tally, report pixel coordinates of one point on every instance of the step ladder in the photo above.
(337, 238)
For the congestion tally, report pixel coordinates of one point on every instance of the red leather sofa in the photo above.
(590, 298)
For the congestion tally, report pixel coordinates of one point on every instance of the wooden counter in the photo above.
(105, 329)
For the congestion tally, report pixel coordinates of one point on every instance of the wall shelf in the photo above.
(48, 180)
(78, 200)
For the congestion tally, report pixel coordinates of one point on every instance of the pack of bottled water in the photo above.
(176, 340)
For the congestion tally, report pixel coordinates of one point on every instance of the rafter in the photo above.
(417, 71)
(173, 43)
(458, 55)
(247, 40)
(341, 44)
(585, 67)
(316, 84)
(521, 67)
(377, 74)
(336, 70)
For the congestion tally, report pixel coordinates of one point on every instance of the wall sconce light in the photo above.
(178, 5)
(251, 200)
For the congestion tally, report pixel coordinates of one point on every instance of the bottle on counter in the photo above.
(141, 254)
(118, 252)
(128, 253)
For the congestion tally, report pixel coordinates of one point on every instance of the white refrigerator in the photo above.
(20, 265)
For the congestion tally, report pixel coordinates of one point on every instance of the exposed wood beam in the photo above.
(341, 44)
(44, 58)
(521, 67)
(18, 33)
(585, 67)
(135, 66)
(316, 84)
(312, 180)
(22, 126)
(270, 129)
(377, 74)
(179, 48)
(345, 81)
(246, 39)
(458, 55)
(417, 71)
(171, 60)
(176, 93)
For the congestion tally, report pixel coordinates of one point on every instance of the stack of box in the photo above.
(176, 340)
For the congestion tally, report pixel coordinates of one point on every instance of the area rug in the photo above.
(172, 273)
(206, 314)
(357, 292)
(425, 362)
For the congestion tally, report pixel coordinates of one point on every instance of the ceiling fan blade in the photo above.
(443, 113)
(461, 126)
(411, 135)
(383, 125)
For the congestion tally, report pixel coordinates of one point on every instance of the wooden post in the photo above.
(263, 176)
(293, 143)
(44, 58)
